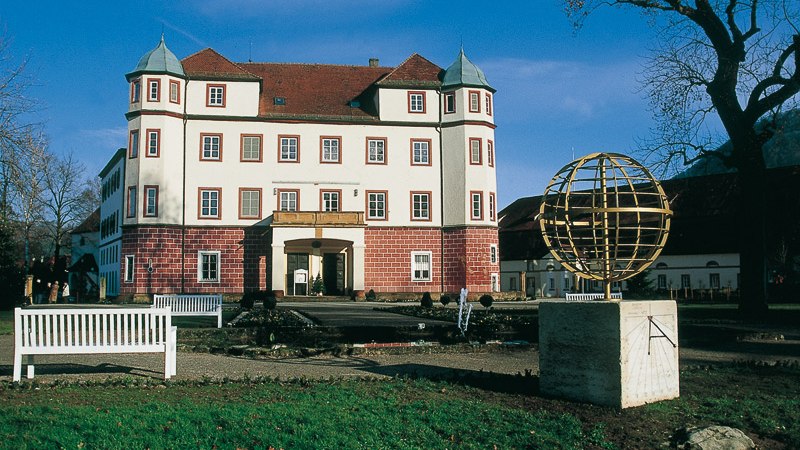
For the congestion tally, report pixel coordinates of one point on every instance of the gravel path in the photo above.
(200, 365)
(205, 365)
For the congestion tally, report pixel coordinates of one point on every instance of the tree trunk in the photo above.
(752, 220)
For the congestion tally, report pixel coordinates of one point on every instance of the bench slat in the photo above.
(191, 304)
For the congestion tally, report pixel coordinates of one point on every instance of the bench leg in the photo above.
(219, 317)
(29, 362)
(170, 354)
(17, 366)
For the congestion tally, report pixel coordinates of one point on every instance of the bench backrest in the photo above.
(188, 302)
(91, 327)
(592, 296)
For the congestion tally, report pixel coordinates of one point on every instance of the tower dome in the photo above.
(464, 73)
(159, 60)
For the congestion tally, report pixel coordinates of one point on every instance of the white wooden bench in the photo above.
(592, 296)
(68, 331)
(191, 305)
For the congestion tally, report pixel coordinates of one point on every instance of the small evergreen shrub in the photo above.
(270, 302)
(265, 297)
(318, 286)
(371, 295)
(444, 300)
(248, 299)
(486, 300)
(427, 301)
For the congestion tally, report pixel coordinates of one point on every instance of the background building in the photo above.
(701, 256)
(111, 202)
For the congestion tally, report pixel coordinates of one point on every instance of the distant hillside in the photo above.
(783, 150)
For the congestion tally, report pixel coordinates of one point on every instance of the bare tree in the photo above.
(732, 61)
(15, 130)
(64, 187)
(28, 182)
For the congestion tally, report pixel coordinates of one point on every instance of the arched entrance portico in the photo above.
(335, 254)
(331, 259)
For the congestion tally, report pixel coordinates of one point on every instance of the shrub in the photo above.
(265, 297)
(270, 302)
(247, 300)
(427, 301)
(444, 300)
(486, 300)
(318, 287)
(370, 295)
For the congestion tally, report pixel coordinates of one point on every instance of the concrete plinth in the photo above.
(613, 353)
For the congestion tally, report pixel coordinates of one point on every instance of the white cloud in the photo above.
(532, 88)
(355, 9)
(185, 33)
(112, 138)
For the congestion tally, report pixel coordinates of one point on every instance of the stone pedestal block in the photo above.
(613, 353)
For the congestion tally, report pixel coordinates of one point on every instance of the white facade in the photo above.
(214, 148)
(112, 179)
(685, 275)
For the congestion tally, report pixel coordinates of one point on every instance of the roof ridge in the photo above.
(198, 52)
(315, 64)
(388, 75)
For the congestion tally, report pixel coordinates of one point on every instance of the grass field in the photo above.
(323, 415)
(399, 413)
(7, 322)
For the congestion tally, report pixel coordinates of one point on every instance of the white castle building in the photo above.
(238, 174)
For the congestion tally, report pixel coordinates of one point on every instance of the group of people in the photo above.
(53, 293)
(52, 296)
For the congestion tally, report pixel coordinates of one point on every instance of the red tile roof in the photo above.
(415, 70)
(315, 90)
(210, 64)
(90, 224)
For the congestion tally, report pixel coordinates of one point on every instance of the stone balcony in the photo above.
(318, 219)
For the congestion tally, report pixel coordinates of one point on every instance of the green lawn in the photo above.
(7, 322)
(323, 415)
(481, 411)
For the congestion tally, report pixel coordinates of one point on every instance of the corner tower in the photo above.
(469, 184)
(154, 162)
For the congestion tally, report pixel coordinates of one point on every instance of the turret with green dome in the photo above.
(159, 60)
(463, 73)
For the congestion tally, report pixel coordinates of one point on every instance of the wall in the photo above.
(243, 259)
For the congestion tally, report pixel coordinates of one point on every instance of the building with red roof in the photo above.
(251, 176)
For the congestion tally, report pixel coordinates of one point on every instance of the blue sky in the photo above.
(559, 92)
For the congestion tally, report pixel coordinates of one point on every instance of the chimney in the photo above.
(373, 62)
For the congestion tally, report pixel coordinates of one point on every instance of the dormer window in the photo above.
(215, 95)
(416, 102)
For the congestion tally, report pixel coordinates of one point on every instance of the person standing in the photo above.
(53, 293)
(65, 292)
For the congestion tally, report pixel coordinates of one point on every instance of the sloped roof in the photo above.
(315, 89)
(781, 150)
(208, 63)
(415, 71)
(158, 60)
(705, 219)
(90, 224)
(464, 73)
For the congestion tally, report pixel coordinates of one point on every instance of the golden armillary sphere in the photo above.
(604, 217)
